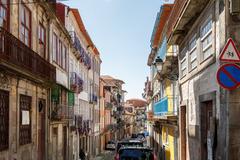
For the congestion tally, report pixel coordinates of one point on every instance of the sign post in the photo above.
(228, 74)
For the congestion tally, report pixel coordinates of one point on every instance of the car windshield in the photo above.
(135, 154)
(129, 144)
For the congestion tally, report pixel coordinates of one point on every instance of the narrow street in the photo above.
(107, 155)
(119, 79)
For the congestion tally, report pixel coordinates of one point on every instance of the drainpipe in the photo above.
(17, 115)
(48, 109)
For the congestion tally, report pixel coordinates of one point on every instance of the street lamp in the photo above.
(159, 64)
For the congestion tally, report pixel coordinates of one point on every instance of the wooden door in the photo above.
(4, 120)
(206, 114)
(41, 129)
(55, 143)
(183, 133)
(64, 143)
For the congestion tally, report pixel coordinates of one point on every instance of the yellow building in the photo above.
(164, 75)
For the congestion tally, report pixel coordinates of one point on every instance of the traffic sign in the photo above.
(228, 76)
(230, 52)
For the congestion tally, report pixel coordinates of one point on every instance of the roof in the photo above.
(137, 102)
(83, 30)
(161, 20)
(109, 78)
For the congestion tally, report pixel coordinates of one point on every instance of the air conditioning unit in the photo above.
(234, 6)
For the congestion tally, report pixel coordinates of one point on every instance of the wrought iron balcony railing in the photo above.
(76, 83)
(167, 106)
(108, 105)
(83, 56)
(62, 112)
(15, 55)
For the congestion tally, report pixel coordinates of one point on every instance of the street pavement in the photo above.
(107, 155)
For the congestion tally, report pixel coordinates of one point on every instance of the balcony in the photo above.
(76, 83)
(19, 58)
(93, 99)
(81, 53)
(167, 106)
(62, 112)
(183, 15)
(108, 105)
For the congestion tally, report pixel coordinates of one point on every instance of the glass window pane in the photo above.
(22, 14)
(193, 64)
(192, 43)
(193, 55)
(206, 28)
(207, 53)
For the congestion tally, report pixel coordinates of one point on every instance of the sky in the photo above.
(121, 30)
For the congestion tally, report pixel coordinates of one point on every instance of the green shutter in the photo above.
(55, 94)
(71, 98)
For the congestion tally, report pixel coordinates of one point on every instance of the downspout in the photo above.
(17, 115)
(48, 110)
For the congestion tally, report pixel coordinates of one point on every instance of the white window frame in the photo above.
(191, 51)
(205, 36)
(182, 69)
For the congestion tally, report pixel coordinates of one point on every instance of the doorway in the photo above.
(183, 133)
(64, 143)
(206, 115)
(41, 129)
(55, 143)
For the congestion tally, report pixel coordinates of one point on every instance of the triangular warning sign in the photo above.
(229, 52)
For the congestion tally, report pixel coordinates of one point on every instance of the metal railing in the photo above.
(17, 54)
(76, 83)
(166, 106)
(61, 112)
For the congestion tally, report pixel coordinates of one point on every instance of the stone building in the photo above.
(114, 102)
(84, 71)
(38, 88)
(26, 80)
(208, 114)
(163, 91)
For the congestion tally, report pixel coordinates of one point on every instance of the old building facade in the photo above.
(163, 90)
(207, 112)
(43, 76)
(25, 87)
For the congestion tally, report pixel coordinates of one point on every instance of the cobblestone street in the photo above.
(108, 155)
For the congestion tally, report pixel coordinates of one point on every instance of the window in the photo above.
(183, 62)
(183, 67)
(42, 40)
(55, 47)
(206, 39)
(25, 120)
(4, 120)
(71, 66)
(193, 53)
(3, 13)
(64, 57)
(25, 33)
(59, 55)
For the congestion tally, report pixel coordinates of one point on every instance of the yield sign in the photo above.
(229, 52)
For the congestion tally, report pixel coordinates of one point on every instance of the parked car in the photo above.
(141, 137)
(128, 143)
(134, 135)
(135, 153)
(111, 145)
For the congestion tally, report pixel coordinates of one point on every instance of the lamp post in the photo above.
(159, 64)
